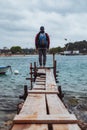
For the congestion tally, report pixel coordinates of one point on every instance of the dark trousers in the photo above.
(42, 56)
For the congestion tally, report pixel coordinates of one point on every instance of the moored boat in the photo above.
(3, 69)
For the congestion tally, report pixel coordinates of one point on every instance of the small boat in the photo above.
(3, 69)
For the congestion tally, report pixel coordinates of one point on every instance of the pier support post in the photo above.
(61, 95)
(35, 71)
(54, 68)
(31, 74)
(53, 58)
(25, 93)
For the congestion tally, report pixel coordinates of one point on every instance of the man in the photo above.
(42, 42)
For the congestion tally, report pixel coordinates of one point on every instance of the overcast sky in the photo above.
(20, 20)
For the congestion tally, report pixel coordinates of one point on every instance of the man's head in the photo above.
(42, 29)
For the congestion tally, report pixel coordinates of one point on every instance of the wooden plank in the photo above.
(36, 101)
(35, 105)
(41, 70)
(42, 92)
(40, 80)
(40, 83)
(65, 127)
(30, 127)
(45, 67)
(43, 76)
(39, 87)
(46, 119)
(50, 81)
(57, 107)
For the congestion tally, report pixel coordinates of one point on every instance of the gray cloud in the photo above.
(20, 21)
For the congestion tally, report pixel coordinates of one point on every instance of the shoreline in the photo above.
(16, 55)
(13, 55)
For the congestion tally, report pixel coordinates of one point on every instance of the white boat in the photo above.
(3, 69)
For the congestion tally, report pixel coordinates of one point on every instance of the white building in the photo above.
(76, 52)
(67, 52)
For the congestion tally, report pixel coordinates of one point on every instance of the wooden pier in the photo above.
(43, 108)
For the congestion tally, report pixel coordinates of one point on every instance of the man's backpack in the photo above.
(43, 40)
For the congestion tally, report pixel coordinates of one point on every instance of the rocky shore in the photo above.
(78, 106)
(6, 123)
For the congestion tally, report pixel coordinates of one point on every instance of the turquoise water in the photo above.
(73, 73)
(72, 77)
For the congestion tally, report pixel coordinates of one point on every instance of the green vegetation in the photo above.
(56, 50)
(80, 46)
(16, 49)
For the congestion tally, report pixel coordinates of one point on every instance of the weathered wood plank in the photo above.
(42, 92)
(30, 127)
(55, 106)
(45, 67)
(46, 119)
(43, 76)
(40, 83)
(35, 105)
(39, 87)
(66, 127)
(50, 81)
(41, 70)
(40, 80)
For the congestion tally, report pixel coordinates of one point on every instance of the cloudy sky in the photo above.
(20, 20)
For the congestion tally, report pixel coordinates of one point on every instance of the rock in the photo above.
(8, 123)
(73, 101)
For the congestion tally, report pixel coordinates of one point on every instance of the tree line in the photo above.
(78, 45)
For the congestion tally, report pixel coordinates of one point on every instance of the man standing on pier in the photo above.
(42, 42)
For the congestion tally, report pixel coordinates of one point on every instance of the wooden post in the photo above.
(61, 95)
(31, 73)
(25, 93)
(53, 58)
(55, 69)
(57, 81)
(35, 71)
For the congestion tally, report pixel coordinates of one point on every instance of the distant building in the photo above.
(76, 52)
(70, 52)
(67, 52)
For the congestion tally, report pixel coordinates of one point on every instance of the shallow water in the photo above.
(72, 77)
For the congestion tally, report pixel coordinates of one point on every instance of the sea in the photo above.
(72, 76)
